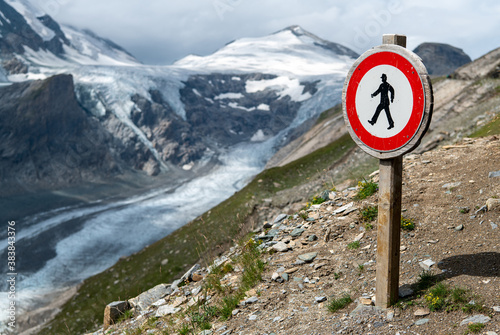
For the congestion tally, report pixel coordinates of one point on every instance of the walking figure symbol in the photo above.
(384, 90)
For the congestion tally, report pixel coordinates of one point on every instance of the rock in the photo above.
(494, 174)
(164, 262)
(441, 59)
(421, 322)
(496, 309)
(297, 232)
(188, 275)
(113, 311)
(327, 234)
(343, 208)
(235, 311)
(312, 238)
(325, 195)
(478, 318)
(146, 299)
(291, 270)
(206, 332)
(363, 310)
(320, 299)
(166, 310)
(252, 317)
(284, 276)
(459, 227)
(426, 265)
(365, 301)
(275, 276)
(491, 333)
(280, 218)
(359, 237)
(405, 291)
(281, 247)
(308, 257)
(451, 185)
(493, 204)
(482, 209)
(267, 225)
(179, 301)
(493, 225)
(422, 312)
(319, 266)
(249, 301)
(196, 277)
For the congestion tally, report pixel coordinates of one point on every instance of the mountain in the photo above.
(31, 37)
(441, 59)
(176, 118)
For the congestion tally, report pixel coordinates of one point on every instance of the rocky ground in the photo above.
(313, 258)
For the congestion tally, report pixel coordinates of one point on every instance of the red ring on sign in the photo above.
(404, 136)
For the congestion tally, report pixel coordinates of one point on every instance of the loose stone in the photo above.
(308, 257)
(479, 318)
(421, 322)
(320, 299)
(296, 232)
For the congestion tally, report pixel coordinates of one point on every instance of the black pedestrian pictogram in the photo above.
(384, 90)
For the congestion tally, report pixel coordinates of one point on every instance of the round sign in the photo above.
(387, 101)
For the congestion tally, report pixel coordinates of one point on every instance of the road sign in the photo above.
(387, 101)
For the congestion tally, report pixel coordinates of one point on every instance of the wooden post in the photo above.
(389, 219)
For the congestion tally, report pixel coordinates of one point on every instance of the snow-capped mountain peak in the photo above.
(34, 37)
(291, 50)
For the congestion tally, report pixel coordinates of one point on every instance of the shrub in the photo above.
(407, 223)
(369, 213)
(366, 189)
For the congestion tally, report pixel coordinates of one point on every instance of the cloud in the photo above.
(159, 32)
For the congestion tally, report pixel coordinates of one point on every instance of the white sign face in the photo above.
(384, 101)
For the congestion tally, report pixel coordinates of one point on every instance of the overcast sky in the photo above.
(163, 31)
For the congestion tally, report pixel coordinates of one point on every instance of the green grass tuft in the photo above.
(475, 327)
(339, 303)
(354, 245)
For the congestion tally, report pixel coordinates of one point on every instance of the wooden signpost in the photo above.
(387, 104)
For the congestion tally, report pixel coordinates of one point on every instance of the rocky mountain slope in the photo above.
(315, 258)
(441, 59)
(462, 102)
(47, 140)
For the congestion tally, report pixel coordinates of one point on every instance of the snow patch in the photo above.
(236, 78)
(195, 91)
(30, 14)
(283, 85)
(5, 19)
(259, 136)
(264, 107)
(235, 105)
(229, 95)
